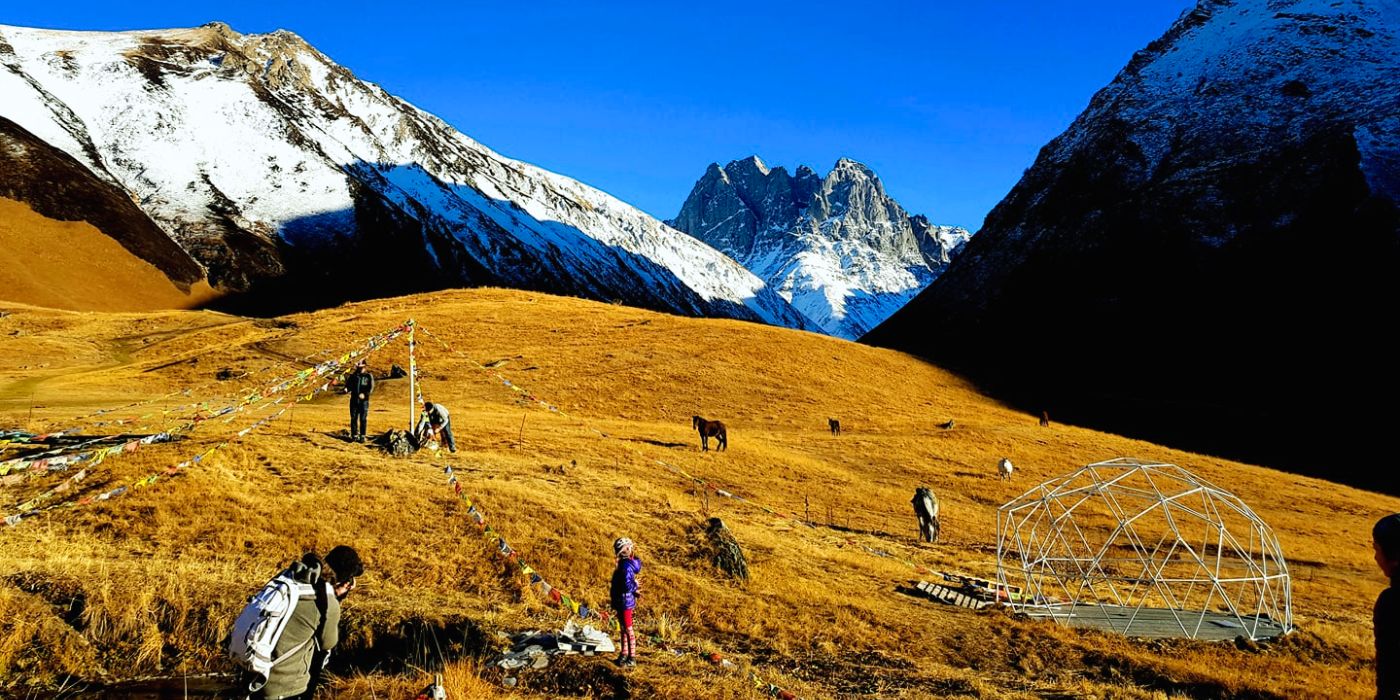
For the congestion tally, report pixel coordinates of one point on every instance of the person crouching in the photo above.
(434, 423)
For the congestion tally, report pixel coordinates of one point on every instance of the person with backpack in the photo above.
(435, 422)
(1385, 539)
(359, 384)
(284, 636)
(624, 593)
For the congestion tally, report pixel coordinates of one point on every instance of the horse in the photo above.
(1044, 419)
(710, 429)
(835, 426)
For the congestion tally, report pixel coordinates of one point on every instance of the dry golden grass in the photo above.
(72, 265)
(148, 583)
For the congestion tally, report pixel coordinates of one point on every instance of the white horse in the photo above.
(1004, 469)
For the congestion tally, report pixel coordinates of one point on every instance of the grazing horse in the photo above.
(710, 429)
(835, 426)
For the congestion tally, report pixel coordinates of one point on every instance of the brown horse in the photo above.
(835, 426)
(710, 429)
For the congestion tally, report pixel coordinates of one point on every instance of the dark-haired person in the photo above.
(314, 628)
(359, 384)
(435, 421)
(1385, 538)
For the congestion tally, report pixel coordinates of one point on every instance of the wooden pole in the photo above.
(412, 380)
(521, 438)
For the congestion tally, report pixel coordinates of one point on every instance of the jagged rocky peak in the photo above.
(938, 243)
(281, 59)
(853, 194)
(839, 247)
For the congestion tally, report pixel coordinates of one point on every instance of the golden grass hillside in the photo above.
(72, 265)
(146, 584)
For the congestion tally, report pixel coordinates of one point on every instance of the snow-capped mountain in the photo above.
(1208, 252)
(839, 248)
(294, 183)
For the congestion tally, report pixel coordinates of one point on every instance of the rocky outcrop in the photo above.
(838, 247)
(1207, 254)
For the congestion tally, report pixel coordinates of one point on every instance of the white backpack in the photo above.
(255, 633)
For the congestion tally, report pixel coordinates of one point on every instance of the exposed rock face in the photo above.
(1207, 254)
(296, 185)
(839, 248)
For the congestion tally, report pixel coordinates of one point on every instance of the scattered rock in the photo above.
(727, 555)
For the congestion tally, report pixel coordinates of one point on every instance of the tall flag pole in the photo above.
(412, 379)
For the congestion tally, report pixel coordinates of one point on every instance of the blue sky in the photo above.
(947, 101)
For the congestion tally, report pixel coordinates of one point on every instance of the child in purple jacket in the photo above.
(624, 597)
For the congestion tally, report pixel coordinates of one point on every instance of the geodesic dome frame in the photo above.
(1143, 549)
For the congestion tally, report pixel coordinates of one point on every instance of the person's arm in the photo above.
(369, 384)
(330, 631)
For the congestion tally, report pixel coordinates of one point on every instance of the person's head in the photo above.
(427, 405)
(623, 548)
(1385, 538)
(360, 366)
(346, 566)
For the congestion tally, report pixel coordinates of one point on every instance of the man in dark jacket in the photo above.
(1385, 538)
(359, 384)
(314, 627)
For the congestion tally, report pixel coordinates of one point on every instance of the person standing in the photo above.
(1385, 539)
(435, 422)
(624, 593)
(926, 510)
(359, 385)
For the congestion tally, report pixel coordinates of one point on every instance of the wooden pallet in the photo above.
(951, 596)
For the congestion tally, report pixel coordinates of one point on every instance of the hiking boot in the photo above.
(629, 662)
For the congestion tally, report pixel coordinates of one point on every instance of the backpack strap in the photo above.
(291, 652)
(322, 604)
(318, 588)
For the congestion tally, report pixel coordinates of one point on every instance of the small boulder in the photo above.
(726, 553)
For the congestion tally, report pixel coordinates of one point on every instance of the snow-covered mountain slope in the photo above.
(1208, 252)
(293, 182)
(839, 248)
